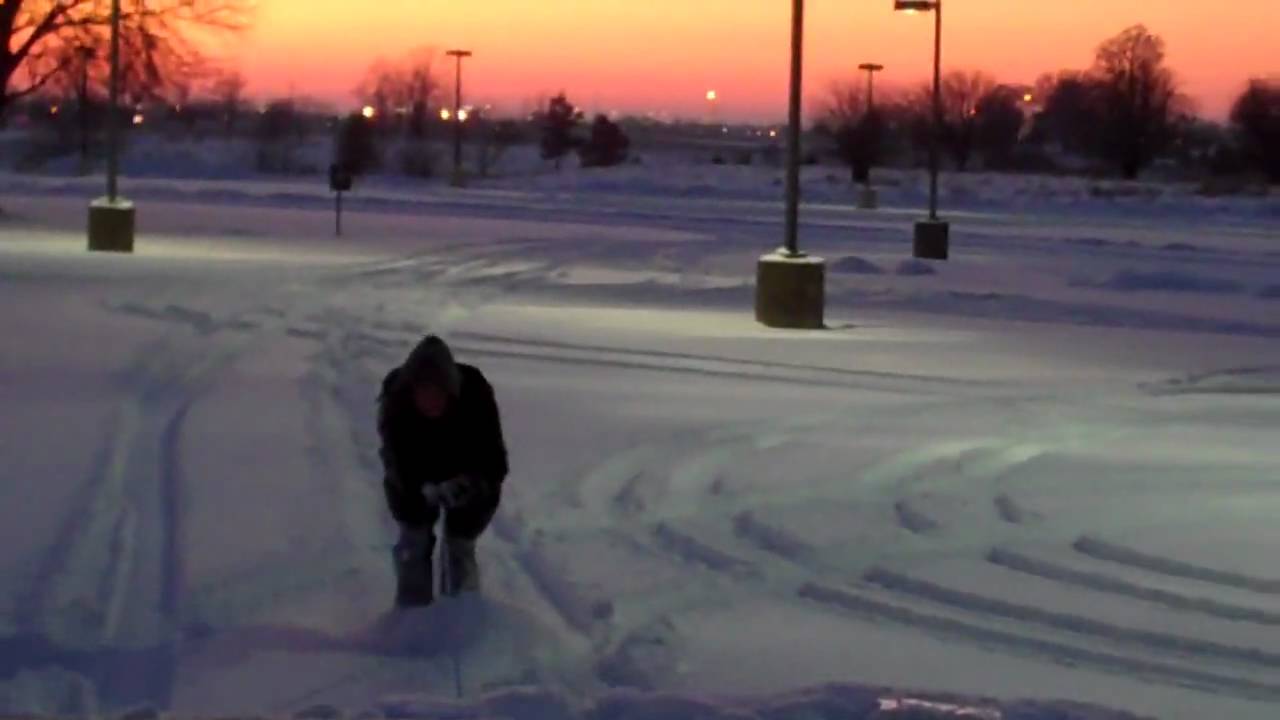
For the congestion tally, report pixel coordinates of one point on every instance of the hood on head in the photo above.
(432, 362)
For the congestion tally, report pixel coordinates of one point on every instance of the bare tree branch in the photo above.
(158, 51)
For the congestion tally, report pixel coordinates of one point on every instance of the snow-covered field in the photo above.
(1045, 470)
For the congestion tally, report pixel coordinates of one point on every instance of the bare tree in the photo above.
(962, 95)
(999, 126)
(1070, 116)
(157, 41)
(1138, 99)
(1256, 119)
(227, 90)
(495, 138)
(403, 88)
(856, 130)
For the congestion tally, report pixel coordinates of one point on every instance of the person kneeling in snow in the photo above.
(442, 449)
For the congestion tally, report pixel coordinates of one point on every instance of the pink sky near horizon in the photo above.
(663, 55)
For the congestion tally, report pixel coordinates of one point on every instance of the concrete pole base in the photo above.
(111, 225)
(868, 199)
(933, 240)
(791, 291)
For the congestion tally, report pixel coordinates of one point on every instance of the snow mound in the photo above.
(1095, 242)
(1270, 292)
(854, 265)
(915, 268)
(827, 702)
(1131, 280)
(830, 702)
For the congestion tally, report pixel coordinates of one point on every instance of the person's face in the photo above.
(431, 400)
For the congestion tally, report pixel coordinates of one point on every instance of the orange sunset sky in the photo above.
(663, 55)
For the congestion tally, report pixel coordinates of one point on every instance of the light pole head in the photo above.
(871, 67)
(915, 6)
(368, 112)
(459, 53)
(712, 96)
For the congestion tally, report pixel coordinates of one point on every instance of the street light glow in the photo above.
(445, 114)
(1028, 97)
(712, 95)
(368, 112)
(138, 119)
(463, 115)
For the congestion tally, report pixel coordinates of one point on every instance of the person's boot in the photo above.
(414, 577)
(461, 572)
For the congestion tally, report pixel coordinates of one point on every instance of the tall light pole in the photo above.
(113, 108)
(111, 219)
(871, 69)
(932, 238)
(868, 199)
(458, 116)
(793, 129)
(790, 286)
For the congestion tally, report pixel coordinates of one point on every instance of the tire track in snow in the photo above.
(99, 505)
(1012, 512)
(1103, 550)
(679, 358)
(108, 602)
(1099, 582)
(773, 540)
(1061, 653)
(694, 551)
(1150, 641)
(913, 520)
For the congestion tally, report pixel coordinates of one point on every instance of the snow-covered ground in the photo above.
(1044, 470)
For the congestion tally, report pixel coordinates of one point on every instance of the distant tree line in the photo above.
(1124, 113)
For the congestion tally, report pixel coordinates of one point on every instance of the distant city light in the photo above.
(773, 133)
(445, 114)
(463, 115)
(368, 112)
(53, 109)
(1028, 97)
(138, 119)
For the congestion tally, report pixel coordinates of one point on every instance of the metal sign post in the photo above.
(340, 181)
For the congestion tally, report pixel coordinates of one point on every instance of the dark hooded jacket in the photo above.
(416, 450)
